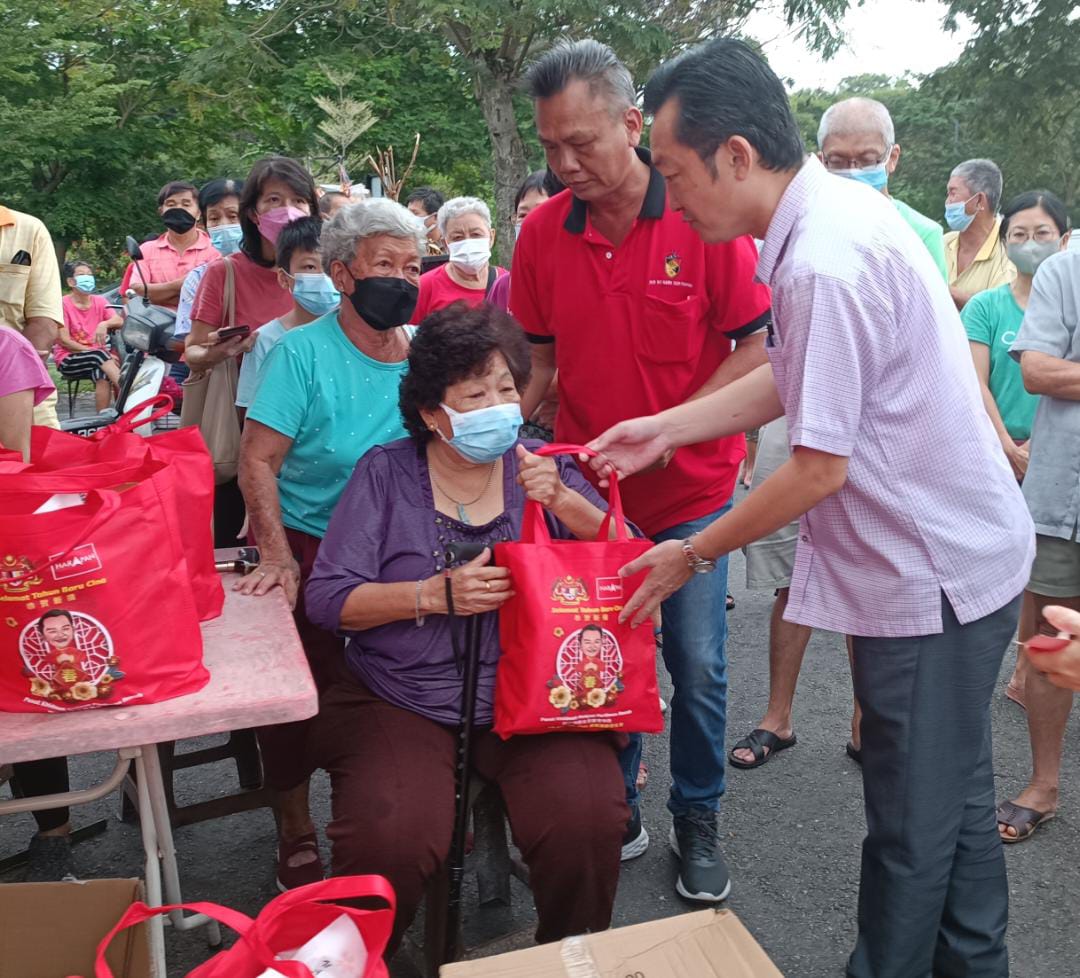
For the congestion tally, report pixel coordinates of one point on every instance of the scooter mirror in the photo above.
(132, 248)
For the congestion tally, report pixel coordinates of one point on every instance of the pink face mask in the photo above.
(271, 223)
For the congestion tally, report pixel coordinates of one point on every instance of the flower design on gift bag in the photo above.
(560, 697)
(68, 657)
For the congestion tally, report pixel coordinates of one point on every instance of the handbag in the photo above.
(566, 663)
(96, 605)
(284, 924)
(91, 462)
(209, 400)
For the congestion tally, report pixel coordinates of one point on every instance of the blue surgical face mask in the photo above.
(484, 434)
(956, 217)
(873, 176)
(315, 292)
(85, 283)
(226, 238)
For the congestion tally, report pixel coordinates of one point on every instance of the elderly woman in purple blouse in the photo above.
(386, 728)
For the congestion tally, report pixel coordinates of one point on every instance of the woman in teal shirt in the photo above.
(1034, 225)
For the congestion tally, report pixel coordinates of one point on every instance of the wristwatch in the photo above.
(696, 563)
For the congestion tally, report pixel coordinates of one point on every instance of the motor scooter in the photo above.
(147, 335)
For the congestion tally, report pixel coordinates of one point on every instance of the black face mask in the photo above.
(384, 303)
(177, 219)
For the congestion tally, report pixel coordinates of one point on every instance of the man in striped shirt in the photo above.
(922, 561)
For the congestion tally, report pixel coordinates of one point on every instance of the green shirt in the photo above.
(334, 403)
(928, 231)
(993, 318)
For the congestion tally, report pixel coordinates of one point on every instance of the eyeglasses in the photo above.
(863, 162)
(1042, 235)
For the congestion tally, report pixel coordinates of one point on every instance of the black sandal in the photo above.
(763, 744)
(730, 602)
(855, 753)
(1023, 821)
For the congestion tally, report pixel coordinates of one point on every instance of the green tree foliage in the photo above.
(102, 101)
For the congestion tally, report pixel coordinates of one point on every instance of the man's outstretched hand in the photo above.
(629, 447)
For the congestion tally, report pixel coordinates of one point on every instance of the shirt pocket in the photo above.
(669, 332)
(13, 282)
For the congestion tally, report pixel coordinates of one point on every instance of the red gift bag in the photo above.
(284, 924)
(190, 520)
(567, 663)
(95, 605)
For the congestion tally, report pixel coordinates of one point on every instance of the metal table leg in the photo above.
(148, 768)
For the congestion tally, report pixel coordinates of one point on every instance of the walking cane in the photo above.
(468, 662)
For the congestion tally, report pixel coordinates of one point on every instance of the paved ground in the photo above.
(792, 832)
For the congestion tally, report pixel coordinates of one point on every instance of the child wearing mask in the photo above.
(299, 272)
(80, 350)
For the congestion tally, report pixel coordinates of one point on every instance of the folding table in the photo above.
(258, 676)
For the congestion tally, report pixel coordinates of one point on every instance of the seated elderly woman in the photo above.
(386, 727)
(465, 224)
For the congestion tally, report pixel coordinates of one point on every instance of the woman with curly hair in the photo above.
(461, 475)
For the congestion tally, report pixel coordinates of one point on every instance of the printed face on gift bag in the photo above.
(588, 671)
(68, 658)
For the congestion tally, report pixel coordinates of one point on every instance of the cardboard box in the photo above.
(52, 930)
(707, 944)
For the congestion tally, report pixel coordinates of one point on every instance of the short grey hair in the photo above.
(459, 207)
(588, 61)
(854, 116)
(982, 177)
(352, 224)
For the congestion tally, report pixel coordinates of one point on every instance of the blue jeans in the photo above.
(694, 630)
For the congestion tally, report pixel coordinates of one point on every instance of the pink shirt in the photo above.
(259, 297)
(438, 290)
(21, 368)
(872, 363)
(82, 324)
(161, 262)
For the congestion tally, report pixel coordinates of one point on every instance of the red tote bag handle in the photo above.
(162, 405)
(110, 503)
(534, 529)
(139, 912)
(337, 888)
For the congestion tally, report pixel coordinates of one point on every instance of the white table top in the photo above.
(258, 676)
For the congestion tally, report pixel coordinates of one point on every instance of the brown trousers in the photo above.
(392, 779)
(284, 746)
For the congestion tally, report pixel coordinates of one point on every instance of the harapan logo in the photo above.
(81, 560)
(672, 264)
(609, 589)
(16, 575)
(569, 590)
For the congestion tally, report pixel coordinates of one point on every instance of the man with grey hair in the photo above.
(974, 252)
(464, 223)
(608, 274)
(857, 140)
(328, 393)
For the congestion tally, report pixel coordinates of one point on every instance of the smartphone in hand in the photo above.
(229, 332)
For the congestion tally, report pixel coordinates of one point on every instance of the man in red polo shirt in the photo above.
(637, 314)
(167, 260)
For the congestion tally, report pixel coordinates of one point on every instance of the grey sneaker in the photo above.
(703, 874)
(636, 839)
(50, 860)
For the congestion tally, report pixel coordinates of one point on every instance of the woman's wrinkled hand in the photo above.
(478, 587)
(270, 574)
(539, 477)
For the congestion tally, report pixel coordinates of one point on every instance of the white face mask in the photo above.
(472, 253)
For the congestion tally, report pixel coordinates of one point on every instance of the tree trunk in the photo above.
(495, 93)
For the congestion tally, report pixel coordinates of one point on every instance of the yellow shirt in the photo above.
(29, 290)
(990, 268)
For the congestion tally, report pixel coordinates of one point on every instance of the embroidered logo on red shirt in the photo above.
(672, 264)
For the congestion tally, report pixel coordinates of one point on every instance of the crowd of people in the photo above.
(913, 396)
